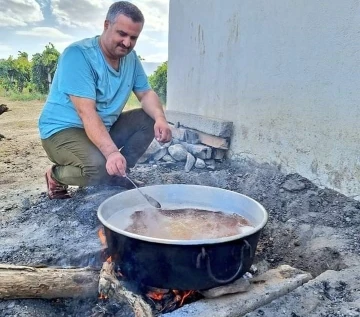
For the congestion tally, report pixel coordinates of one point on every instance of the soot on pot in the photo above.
(185, 224)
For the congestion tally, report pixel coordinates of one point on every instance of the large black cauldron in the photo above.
(182, 264)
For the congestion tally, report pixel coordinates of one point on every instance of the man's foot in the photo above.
(124, 182)
(54, 189)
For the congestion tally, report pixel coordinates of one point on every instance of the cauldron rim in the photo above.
(160, 188)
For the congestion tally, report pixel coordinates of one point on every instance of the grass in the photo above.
(132, 103)
(27, 96)
(24, 96)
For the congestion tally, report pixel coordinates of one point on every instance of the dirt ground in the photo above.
(22, 159)
(311, 228)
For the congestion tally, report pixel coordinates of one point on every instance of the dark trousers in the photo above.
(79, 162)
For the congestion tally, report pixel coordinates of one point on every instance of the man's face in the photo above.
(121, 36)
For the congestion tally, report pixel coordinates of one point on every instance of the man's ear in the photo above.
(106, 24)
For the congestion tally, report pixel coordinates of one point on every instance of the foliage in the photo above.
(158, 81)
(22, 74)
(43, 68)
(15, 73)
(18, 74)
(132, 102)
(6, 73)
(21, 79)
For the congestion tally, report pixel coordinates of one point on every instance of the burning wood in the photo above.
(166, 300)
(110, 286)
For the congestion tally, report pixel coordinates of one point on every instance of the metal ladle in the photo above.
(149, 199)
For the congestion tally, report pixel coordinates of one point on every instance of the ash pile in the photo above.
(198, 141)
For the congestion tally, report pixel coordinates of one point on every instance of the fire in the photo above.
(165, 300)
(185, 295)
(170, 299)
(180, 296)
(155, 295)
(102, 237)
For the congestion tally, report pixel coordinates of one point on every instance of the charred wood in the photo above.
(111, 287)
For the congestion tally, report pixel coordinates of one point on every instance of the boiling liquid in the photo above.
(187, 224)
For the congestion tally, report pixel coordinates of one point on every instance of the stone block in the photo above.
(178, 152)
(263, 289)
(190, 161)
(160, 154)
(332, 293)
(239, 286)
(198, 150)
(200, 163)
(168, 158)
(218, 154)
(213, 126)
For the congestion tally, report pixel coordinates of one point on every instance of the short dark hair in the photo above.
(126, 8)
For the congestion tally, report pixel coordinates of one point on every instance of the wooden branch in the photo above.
(111, 287)
(212, 140)
(31, 282)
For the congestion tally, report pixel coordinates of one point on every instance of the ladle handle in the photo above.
(149, 199)
(136, 187)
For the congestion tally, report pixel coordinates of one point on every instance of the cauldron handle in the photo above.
(204, 255)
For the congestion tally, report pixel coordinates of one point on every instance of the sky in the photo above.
(29, 25)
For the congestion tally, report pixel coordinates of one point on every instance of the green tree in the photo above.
(158, 81)
(43, 68)
(22, 71)
(7, 72)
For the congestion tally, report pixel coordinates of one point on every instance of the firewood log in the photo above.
(110, 286)
(30, 282)
(48, 283)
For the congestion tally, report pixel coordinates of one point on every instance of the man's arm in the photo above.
(98, 134)
(151, 104)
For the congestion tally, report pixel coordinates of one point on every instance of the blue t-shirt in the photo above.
(83, 71)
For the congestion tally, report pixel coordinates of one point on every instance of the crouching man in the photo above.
(82, 125)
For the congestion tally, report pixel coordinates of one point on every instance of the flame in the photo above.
(102, 237)
(155, 295)
(185, 295)
(178, 299)
(180, 296)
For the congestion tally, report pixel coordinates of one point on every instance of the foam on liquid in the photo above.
(187, 224)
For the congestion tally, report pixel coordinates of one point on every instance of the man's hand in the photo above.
(116, 164)
(151, 104)
(162, 130)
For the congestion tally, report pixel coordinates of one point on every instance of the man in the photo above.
(82, 126)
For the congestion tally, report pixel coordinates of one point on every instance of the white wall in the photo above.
(286, 72)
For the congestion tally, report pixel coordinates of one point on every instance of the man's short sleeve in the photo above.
(75, 75)
(141, 82)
